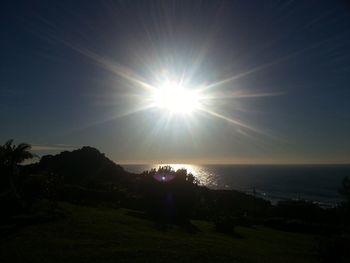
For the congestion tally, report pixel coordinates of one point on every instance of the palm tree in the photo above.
(10, 156)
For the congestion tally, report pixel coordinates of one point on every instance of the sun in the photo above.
(174, 98)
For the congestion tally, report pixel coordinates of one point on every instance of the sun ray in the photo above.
(240, 95)
(230, 120)
(256, 69)
(118, 69)
(111, 66)
(182, 102)
(107, 120)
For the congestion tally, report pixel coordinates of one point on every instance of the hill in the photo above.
(83, 166)
(89, 234)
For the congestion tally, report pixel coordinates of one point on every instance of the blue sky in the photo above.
(290, 60)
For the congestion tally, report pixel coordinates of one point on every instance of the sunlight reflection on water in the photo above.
(273, 182)
(204, 176)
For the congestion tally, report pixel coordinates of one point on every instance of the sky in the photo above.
(273, 78)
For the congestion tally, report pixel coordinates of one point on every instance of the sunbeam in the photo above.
(171, 94)
(230, 120)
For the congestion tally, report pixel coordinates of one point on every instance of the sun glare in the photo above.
(174, 98)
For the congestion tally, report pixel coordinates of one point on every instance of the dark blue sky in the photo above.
(56, 94)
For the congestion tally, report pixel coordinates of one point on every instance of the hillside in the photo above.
(83, 166)
(80, 206)
(89, 234)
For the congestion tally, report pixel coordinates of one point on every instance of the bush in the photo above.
(169, 196)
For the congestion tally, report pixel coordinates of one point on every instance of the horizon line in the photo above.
(233, 163)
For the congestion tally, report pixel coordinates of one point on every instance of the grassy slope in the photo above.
(108, 235)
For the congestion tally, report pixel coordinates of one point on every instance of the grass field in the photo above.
(89, 234)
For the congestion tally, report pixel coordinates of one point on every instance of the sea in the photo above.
(315, 183)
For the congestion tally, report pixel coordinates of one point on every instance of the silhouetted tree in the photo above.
(10, 156)
(344, 191)
(170, 195)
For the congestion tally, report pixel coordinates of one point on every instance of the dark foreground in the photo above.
(80, 206)
(89, 234)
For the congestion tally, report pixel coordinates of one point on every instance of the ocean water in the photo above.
(317, 183)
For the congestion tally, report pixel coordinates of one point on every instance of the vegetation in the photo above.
(99, 234)
(169, 196)
(10, 156)
(114, 213)
(345, 191)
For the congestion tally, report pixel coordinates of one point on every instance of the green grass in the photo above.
(107, 235)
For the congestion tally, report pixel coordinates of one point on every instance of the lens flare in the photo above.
(172, 94)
